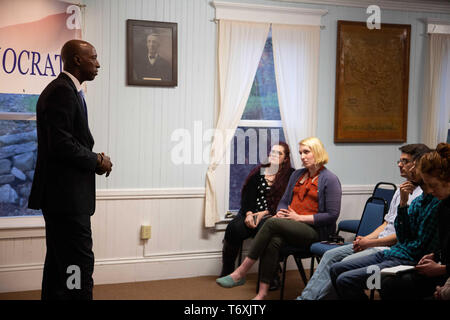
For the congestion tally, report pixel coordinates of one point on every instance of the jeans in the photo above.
(349, 278)
(319, 286)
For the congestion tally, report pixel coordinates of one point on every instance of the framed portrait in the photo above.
(152, 53)
(372, 77)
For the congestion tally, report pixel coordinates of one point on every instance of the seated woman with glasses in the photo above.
(306, 213)
(260, 195)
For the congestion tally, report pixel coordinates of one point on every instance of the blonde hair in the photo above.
(317, 148)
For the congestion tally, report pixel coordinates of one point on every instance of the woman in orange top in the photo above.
(306, 213)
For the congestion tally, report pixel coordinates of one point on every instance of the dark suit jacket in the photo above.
(160, 69)
(64, 178)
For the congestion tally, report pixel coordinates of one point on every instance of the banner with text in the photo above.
(32, 33)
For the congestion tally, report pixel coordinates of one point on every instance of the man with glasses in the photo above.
(319, 286)
(416, 231)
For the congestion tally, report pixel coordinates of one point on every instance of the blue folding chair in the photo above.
(384, 190)
(372, 217)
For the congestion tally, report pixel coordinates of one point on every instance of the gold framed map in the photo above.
(372, 76)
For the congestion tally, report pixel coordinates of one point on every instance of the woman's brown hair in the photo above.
(281, 179)
(437, 163)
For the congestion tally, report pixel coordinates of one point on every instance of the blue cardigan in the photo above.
(329, 197)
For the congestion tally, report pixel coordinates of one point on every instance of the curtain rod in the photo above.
(216, 20)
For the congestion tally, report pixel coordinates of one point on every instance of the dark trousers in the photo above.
(409, 286)
(69, 261)
(237, 231)
(273, 235)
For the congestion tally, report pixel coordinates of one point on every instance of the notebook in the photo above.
(397, 269)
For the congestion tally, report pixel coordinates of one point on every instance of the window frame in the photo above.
(250, 124)
(440, 27)
(268, 14)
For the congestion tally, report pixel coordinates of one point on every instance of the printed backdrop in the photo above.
(32, 33)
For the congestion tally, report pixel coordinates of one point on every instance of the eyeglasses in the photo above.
(404, 161)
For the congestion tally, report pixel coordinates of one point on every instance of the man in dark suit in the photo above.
(151, 66)
(64, 178)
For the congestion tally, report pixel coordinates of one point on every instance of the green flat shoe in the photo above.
(228, 282)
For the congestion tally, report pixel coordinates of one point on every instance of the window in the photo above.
(259, 127)
(448, 133)
(18, 153)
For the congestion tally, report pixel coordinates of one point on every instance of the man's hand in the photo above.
(406, 188)
(104, 164)
(361, 243)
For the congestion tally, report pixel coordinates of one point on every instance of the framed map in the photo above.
(372, 76)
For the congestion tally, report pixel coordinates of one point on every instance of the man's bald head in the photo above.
(72, 48)
(80, 59)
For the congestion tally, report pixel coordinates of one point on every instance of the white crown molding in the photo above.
(267, 13)
(413, 5)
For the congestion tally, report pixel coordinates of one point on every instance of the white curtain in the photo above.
(296, 60)
(436, 109)
(239, 51)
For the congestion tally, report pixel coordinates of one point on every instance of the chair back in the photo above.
(373, 215)
(384, 190)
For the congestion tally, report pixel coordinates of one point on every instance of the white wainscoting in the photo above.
(179, 246)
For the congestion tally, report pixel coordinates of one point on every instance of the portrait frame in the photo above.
(372, 78)
(152, 53)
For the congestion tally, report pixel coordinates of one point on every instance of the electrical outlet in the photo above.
(146, 232)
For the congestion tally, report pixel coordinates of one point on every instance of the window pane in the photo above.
(18, 102)
(18, 151)
(249, 148)
(262, 103)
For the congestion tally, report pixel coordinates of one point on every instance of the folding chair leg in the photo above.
(298, 261)
(283, 279)
(311, 267)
